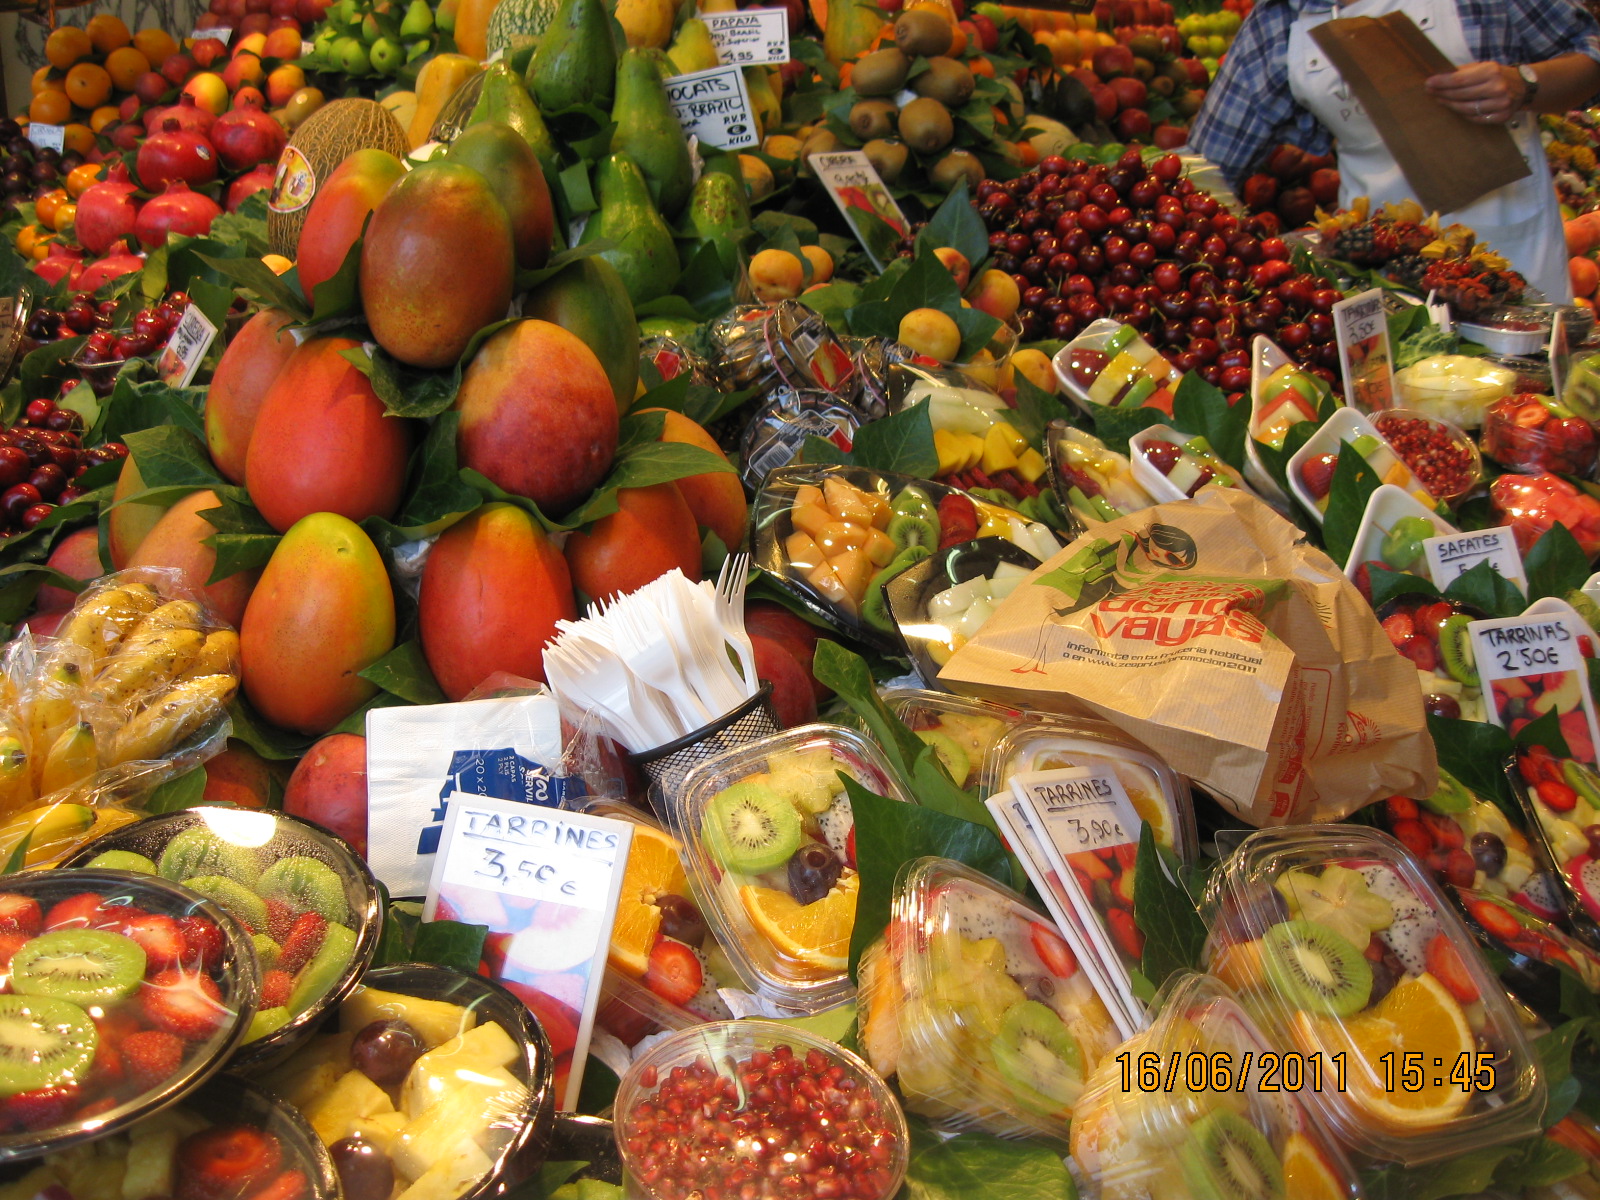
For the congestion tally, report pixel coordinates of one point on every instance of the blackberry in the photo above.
(1408, 269)
(1355, 244)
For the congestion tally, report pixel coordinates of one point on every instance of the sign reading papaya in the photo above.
(750, 37)
(714, 107)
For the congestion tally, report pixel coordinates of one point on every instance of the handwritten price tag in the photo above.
(1455, 554)
(1533, 665)
(223, 34)
(1362, 330)
(1080, 809)
(714, 106)
(536, 853)
(186, 348)
(47, 137)
(753, 37)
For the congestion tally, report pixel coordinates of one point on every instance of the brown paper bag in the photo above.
(1209, 630)
(1448, 160)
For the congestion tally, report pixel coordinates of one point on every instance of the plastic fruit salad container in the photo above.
(122, 993)
(1206, 1135)
(435, 1086)
(975, 1002)
(1094, 481)
(960, 730)
(1562, 796)
(229, 1138)
(761, 1110)
(306, 900)
(771, 854)
(1110, 365)
(1346, 953)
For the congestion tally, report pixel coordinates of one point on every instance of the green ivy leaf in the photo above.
(957, 225)
(644, 465)
(1469, 1172)
(1198, 407)
(1174, 934)
(169, 456)
(1387, 584)
(252, 275)
(1114, 426)
(706, 283)
(404, 672)
(134, 405)
(1485, 588)
(185, 791)
(1353, 483)
(437, 497)
(450, 944)
(1035, 409)
(244, 539)
(1475, 753)
(1555, 564)
(975, 1164)
(901, 443)
(1544, 731)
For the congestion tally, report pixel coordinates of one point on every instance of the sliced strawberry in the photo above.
(291, 1185)
(160, 938)
(184, 1003)
(107, 1073)
(202, 942)
(20, 914)
(1444, 964)
(673, 972)
(280, 919)
(305, 937)
(1122, 888)
(1496, 921)
(1421, 652)
(1401, 808)
(1126, 932)
(1556, 795)
(1053, 951)
(44, 1107)
(850, 847)
(75, 912)
(1400, 627)
(1413, 836)
(1125, 854)
(10, 943)
(1447, 833)
(1375, 949)
(115, 916)
(225, 1161)
(276, 987)
(151, 1057)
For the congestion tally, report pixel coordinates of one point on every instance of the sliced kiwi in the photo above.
(1455, 650)
(198, 851)
(123, 860)
(43, 1041)
(305, 885)
(1039, 1059)
(907, 529)
(750, 828)
(326, 966)
(874, 604)
(268, 1020)
(953, 757)
(267, 951)
(1451, 796)
(1227, 1159)
(239, 900)
(84, 966)
(1315, 969)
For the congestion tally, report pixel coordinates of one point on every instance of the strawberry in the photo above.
(74, 912)
(10, 943)
(151, 1056)
(202, 942)
(158, 935)
(188, 1005)
(115, 916)
(1554, 794)
(850, 847)
(1446, 833)
(1496, 921)
(279, 921)
(291, 1185)
(1053, 951)
(276, 987)
(1125, 854)
(1126, 932)
(107, 1073)
(1420, 651)
(43, 1107)
(225, 1161)
(1445, 965)
(1400, 628)
(673, 972)
(1401, 808)
(1363, 579)
(305, 936)
(20, 914)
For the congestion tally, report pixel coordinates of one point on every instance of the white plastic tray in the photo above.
(1094, 337)
(1265, 358)
(1344, 426)
(1152, 480)
(1384, 507)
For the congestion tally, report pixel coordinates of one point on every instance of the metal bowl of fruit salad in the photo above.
(434, 1086)
(307, 900)
(1344, 951)
(939, 603)
(123, 993)
(227, 1141)
(758, 1110)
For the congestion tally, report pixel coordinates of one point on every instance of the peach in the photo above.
(283, 83)
(250, 43)
(776, 275)
(241, 777)
(210, 92)
(1036, 367)
(77, 555)
(283, 43)
(716, 498)
(243, 70)
(329, 788)
(931, 332)
(796, 635)
(821, 264)
(997, 294)
(957, 264)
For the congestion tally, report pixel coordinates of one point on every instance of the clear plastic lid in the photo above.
(1531, 504)
(1523, 939)
(1528, 433)
(976, 1003)
(757, 1109)
(307, 901)
(770, 844)
(962, 731)
(1561, 797)
(1092, 480)
(1191, 1108)
(1441, 455)
(122, 994)
(1453, 387)
(441, 1081)
(1346, 953)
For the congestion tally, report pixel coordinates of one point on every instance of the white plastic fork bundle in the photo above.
(659, 662)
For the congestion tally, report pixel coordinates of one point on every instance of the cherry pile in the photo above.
(40, 458)
(28, 172)
(1144, 244)
(148, 332)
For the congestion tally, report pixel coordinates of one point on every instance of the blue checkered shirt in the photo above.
(1250, 109)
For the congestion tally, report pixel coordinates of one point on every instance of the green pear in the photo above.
(418, 20)
(387, 56)
(648, 131)
(642, 247)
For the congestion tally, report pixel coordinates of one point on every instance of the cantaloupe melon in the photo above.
(325, 139)
(511, 17)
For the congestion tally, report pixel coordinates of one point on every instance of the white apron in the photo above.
(1521, 220)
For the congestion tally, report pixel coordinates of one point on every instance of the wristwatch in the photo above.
(1530, 83)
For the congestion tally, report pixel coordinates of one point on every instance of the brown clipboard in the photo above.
(1448, 160)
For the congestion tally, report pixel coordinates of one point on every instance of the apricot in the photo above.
(716, 498)
(931, 332)
(1036, 367)
(776, 275)
(956, 263)
(997, 294)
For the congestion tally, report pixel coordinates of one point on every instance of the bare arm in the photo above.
(1493, 93)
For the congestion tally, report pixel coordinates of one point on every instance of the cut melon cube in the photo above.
(880, 548)
(808, 493)
(854, 569)
(840, 535)
(878, 510)
(1399, 475)
(448, 1177)
(335, 1113)
(997, 452)
(1184, 473)
(810, 518)
(803, 552)
(436, 1021)
(1031, 465)
(1108, 385)
(149, 1169)
(827, 583)
(845, 501)
(1017, 442)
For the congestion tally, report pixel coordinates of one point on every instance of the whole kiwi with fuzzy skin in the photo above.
(921, 33)
(926, 126)
(888, 157)
(881, 73)
(947, 81)
(958, 164)
(871, 119)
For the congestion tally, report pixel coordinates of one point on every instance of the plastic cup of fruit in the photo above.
(1093, 481)
(1205, 1134)
(1453, 387)
(1561, 797)
(1443, 458)
(1346, 953)
(105, 960)
(1110, 364)
(990, 371)
(770, 850)
(702, 1109)
(1013, 1063)
(1530, 504)
(435, 1082)
(308, 901)
(1529, 433)
(1176, 466)
(961, 731)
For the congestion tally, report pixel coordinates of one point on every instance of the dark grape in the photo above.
(813, 871)
(1592, 832)
(1489, 853)
(681, 920)
(385, 1050)
(365, 1171)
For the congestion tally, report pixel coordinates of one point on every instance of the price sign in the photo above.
(714, 107)
(222, 33)
(186, 348)
(1533, 665)
(750, 38)
(47, 137)
(1456, 553)
(1362, 328)
(1080, 809)
(850, 178)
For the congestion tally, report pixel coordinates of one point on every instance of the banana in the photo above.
(71, 760)
(172, 720)
(16, 774)
(174, 614)
(51, 831)
(148, 666)
(102, 622)
(219, 656)
(53, 705)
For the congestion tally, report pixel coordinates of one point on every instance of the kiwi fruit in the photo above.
(946, 80)
(819, 141)
(1315, 969)
(43, 1041)
(881, 73)
(954, 758)
(326, 966)
(268, 1020)
(198, 851)
(82, 966)
(1455, 650)
(750, 828)
(871, 119)
(955, 166)
(123, 860)
(1451, 796)
(241, 903)
(888, 157)
(1226, 1158)
(922, 34)
(1038, 1058)
(305, 885)
(875, 604)
(267, 950)
(906, 530)
(926, 126)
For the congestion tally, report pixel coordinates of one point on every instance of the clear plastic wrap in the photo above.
(962, 731)
(1092, 481)
(1529, 434)
(1531, 949)
(1561, 797)
(1110, 364)
(1530, 504)
(1443, 458)
(940, 602)
(1453, 387)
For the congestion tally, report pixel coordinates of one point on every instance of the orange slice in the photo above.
(817, 934)
(1153, 812)
(1306, 1174)
(654, 869)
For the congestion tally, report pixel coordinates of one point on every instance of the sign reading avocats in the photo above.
(714, 106)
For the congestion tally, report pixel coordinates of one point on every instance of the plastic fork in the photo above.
(652, 655)
(731, 583)
(592, 681)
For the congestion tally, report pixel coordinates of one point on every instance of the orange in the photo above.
(78, 137)
(81, 178)
(106, 31)
(816, 934)
(41, 248)
(45, 207)
(155, 44)
(50, 108)
(125, 65)
(65, 214)
(88, 85)
(654, 870)
(103, 116)
(1306, 1175)
(26, 237)
(66, 46)
(42, 82)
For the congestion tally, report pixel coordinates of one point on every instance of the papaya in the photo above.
(438, 80)
(472, 27)
(323, 442)
(587, 298)
(504, 98)
(339, 212)
(718, 212)
(177, 542)
(247, 369)
(437, 265)
(492, 590)
(693, 50)
(642, 250)
(576, 62)
(649, 132)
(322, 612)
(501, 156)
(851, 27)
(763, 100)
(716, 498)
(127, 525)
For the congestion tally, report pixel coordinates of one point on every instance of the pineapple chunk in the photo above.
(1031, 465)
(952, 453)
(430, 1081)
(974, 443)
(313, 1070)
(481, 1049)
(447, 1178)
(96, 1178)
(335, 1113)
(475, 1105)
(997, 452)
(809, 518)
(1015, 440)
(436, 1021)
(381, 1129)
(149, 1169)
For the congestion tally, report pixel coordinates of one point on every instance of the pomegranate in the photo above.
(106, 211)
(177, 210)
(61, 262)
(185, 112)
(127, 135)
(121, 261)
(246, 137)
(257, 179)
(175, 154)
